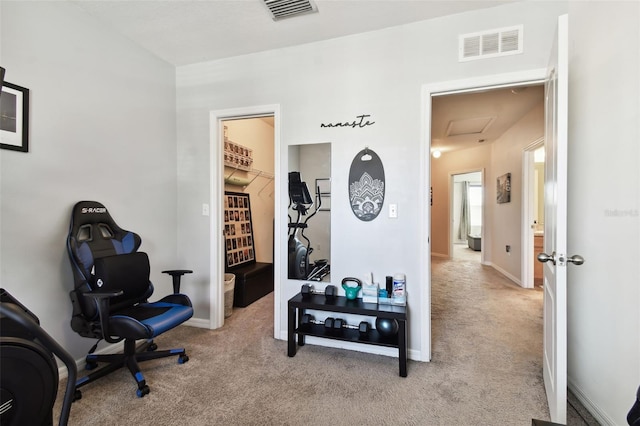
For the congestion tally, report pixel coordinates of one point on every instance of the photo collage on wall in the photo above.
(236, 155)
(238, 230)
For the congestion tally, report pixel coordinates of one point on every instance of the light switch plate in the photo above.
(393, 211)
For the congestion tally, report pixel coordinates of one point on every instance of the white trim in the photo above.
(113, 348)
(412, 354)
(424, 227)
(513, 278)
(527, 264)
(428, 91)
(198, 323)
(591, 407)
(216, 261)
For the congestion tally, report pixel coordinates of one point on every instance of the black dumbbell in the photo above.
(330, 291)
(329, 324)
(336, 325)
(307, 319)
(363, 328)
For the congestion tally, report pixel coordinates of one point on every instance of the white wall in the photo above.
(102, 123)
(506, 218)
(101, 105)
(378, 73)
(604, 201)
(462, 161)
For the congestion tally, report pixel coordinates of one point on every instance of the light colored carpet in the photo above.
(486, 369)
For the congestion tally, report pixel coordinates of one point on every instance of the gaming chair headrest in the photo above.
(90, 212)
(93, 234)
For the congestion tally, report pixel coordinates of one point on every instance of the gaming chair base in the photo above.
(129, 359)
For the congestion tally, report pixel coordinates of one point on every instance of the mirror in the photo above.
(309, 228)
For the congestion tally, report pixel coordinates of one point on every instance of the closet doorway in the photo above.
(248, 175)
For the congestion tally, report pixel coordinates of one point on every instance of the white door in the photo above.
(555, 228)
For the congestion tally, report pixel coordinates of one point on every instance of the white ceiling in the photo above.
(190, 31)
(470, 112)
(184, 32)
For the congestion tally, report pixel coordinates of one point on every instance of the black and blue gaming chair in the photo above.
(111, 291)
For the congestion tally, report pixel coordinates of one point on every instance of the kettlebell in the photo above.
(351, 292)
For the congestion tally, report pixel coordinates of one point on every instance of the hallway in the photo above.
(474, 306)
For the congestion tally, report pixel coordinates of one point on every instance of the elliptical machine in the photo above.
(28, 370)
(301, 202)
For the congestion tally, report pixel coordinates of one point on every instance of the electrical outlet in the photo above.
(205, 210)
(507, 248)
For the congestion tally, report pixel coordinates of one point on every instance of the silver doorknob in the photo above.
(544, 257)
(576, 259)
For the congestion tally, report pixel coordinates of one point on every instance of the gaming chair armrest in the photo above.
(102, 301)
(176, 274)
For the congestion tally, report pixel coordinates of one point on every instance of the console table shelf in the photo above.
(297, 306)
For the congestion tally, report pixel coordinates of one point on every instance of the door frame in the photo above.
(527, 262)
(452, 176)
(216, 224)
(494, 81)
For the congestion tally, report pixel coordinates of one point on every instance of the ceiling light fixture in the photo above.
(436, 154)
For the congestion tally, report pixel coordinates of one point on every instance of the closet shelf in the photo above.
(252, 175)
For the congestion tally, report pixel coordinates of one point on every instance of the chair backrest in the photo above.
(95, 242)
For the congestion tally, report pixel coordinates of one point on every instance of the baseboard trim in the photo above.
(440, 255)
(505, 273)
(119, 347)
(199, 323)
(412, 354)
(592, 407)
(81, 362)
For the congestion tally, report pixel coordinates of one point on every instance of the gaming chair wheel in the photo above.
(152, 347)
(183, 358)
(90, 365)
(28, 383)
(143, 391)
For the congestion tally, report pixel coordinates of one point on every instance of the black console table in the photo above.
(340, 304)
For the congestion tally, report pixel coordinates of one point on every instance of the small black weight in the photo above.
(306, 290)
(328, 323)
(338, 323)
(330, 292)
(364, 327)
(306, 319)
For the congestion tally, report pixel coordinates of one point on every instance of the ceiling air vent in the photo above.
(281, 9)
(490, 44)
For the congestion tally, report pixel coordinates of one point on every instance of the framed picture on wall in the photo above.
(504, 188)
(14, 117)
(238, 230)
